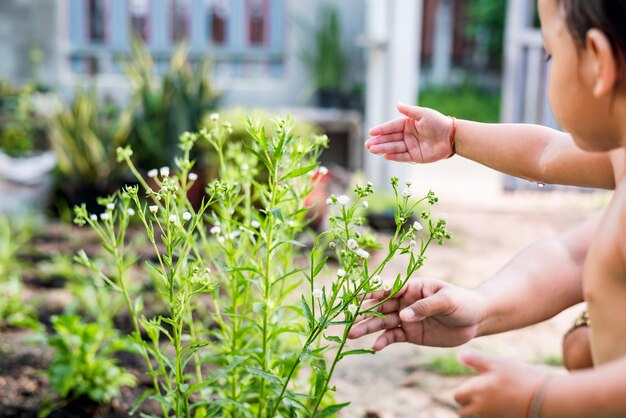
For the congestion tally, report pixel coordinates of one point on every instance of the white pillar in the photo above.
(394, 41)
(442, 51)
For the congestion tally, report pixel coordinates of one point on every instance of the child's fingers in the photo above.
(389, 148)
(390, 336)
(414, 112)
(392, 305)
(436, 304)
(381, 139)
(401, 157)
(374, 324)
(477, 361)
(396, 125)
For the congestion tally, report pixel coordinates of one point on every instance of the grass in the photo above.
(447, 364)
(464, 102)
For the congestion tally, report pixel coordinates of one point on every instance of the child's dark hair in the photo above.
(609, 16)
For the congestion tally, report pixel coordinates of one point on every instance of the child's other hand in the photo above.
(426, 312)
(503, 389)
(423, 136)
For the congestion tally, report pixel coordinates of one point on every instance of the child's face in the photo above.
(571, 83)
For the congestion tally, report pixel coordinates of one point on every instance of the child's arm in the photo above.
(509, 388)
(533, 152)
(537, 284)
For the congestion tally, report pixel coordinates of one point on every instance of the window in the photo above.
(257, 14)
(217, 12)
(180, 20)
(139, 11)
(96, 21)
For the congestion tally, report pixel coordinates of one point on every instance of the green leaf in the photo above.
(298, 172)
(333, 338)
(307, 312)
(278, 214)
(265, 375)
(140, 401)
(320, 266)
(354, 352)
(331, 410)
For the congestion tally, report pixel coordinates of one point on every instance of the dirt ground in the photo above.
(394, 383)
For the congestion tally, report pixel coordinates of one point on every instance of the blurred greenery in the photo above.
(166, 106)
(326, 58)
(85, 136)
(21, 130)
(464, 102)
(486, 19)
(447, 364)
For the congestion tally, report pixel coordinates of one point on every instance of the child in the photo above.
(588, 43)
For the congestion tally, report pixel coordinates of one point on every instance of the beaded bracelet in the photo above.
(452, 136)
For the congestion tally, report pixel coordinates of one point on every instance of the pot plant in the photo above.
(84, 136)
(26, 163)
(166, 105)
(326, 59)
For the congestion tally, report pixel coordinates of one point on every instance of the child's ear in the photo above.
(603, 61)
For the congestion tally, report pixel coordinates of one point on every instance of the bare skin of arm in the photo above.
(533, 152)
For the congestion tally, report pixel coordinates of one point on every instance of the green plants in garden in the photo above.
(464, 102)
(14, 234)
(326, 59)
(21, 129)
(84, 137)
(166, 105)
(254, 327)
(447, 364)
(84, 363)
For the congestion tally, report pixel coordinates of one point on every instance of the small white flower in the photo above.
(187, 216)
(387, 286)
(341, 273)
(352, 308)
(412, 243)
(173, 219)
(352, 244)
(153, 209)
(110, 206)
(417, 226)
(255, 224)
(443, 216)
(105, 215)
(245, 167)
(376, 281)
(408, 183)
(234, 235)
(362, 253)
(220, 239)
(131, 211)
(329, 201)
(332, 245)
(214, 117)
(215, 230)
(153, 173)
(93, 217)
(192, 177)
(322, 170)
(317, 293)
(365, 204)
(165, 171)
(343, 200)
(406, 192)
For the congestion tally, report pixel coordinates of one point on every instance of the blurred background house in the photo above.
(475, 59)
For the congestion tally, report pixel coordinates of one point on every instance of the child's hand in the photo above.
(425, 312)
(423, 136)
(503, 389)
